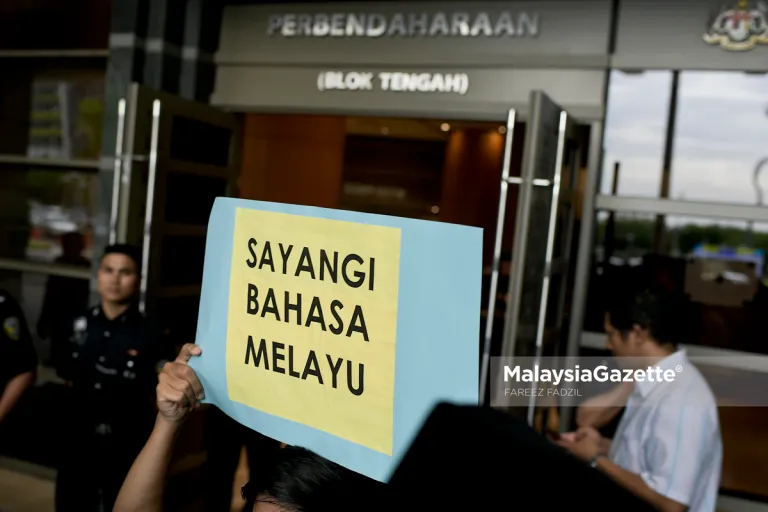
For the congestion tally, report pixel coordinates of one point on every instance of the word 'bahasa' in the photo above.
(329, 315)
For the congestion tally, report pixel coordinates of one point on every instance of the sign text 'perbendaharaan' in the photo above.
(456, 24)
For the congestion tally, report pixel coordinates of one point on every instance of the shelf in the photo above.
(39, 267)
(49, 162)
(54, 54)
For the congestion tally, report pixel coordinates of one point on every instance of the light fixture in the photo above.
(384, 130)
(502, 130)
(445, 127)
(435, 210)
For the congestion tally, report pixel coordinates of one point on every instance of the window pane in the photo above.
(721, 126)
(47, 215)
(635, 125)
(66, 115)
(721, 135)
(200, 142)
(719, 264)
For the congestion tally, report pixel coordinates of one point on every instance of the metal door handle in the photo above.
(114, 213)
(494, 283)
(150, 202)
(545, 284)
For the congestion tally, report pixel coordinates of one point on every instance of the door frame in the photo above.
(528, 182)
(142, 164)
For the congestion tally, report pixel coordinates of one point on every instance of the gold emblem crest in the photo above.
(741, 26)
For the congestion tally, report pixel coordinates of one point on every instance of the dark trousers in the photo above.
(92, 472)
(225, 439)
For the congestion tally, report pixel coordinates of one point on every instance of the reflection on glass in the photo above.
(65, 116)
(721, 134)
(39, 208)
(720, 265)
(635, 125)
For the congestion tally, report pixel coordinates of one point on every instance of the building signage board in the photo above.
(455, 93)
(400, 24)
(401, 33)
(395, 81)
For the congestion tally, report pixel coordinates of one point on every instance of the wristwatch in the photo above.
(593, 461)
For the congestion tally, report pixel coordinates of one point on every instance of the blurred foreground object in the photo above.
(495, 458)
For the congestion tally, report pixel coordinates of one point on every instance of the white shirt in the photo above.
(670, 436)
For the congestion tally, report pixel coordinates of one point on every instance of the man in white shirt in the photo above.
(667, 448)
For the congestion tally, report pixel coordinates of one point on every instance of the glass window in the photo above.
(635, 125)
(721, 125)
(721, 135)
(47, 215)
(719, 264)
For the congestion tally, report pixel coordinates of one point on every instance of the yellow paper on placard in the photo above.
(312, 323)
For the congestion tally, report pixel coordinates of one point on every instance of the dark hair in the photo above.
(665, 315)
(302, 481)
(131, 251)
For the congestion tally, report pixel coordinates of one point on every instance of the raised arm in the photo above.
(598, 411)
(178, 392)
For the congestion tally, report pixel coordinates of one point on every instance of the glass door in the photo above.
(541, 273)
(174, 158)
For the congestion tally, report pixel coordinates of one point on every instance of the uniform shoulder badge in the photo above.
(739, 27)
(12, 328)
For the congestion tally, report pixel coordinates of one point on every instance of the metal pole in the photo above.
(610, 226)
(114, 214)
(759, 198)
(666, 175)
(150, 203)
(584, 257)
(541, 325)
(494, 284)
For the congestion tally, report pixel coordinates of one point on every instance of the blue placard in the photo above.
(437, 329)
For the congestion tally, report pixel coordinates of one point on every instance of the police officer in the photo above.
(112, 369)
(18, 360)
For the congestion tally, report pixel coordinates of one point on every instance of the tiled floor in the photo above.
(20, 492)
(23, 493)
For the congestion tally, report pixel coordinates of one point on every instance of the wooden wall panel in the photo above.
(471, 182)
(293, 159)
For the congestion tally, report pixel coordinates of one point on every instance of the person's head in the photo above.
(302, 481)
(72, 245)
(648, 324)
(118, 276)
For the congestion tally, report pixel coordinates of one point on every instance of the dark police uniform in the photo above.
(112, 368)
(17, 353)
